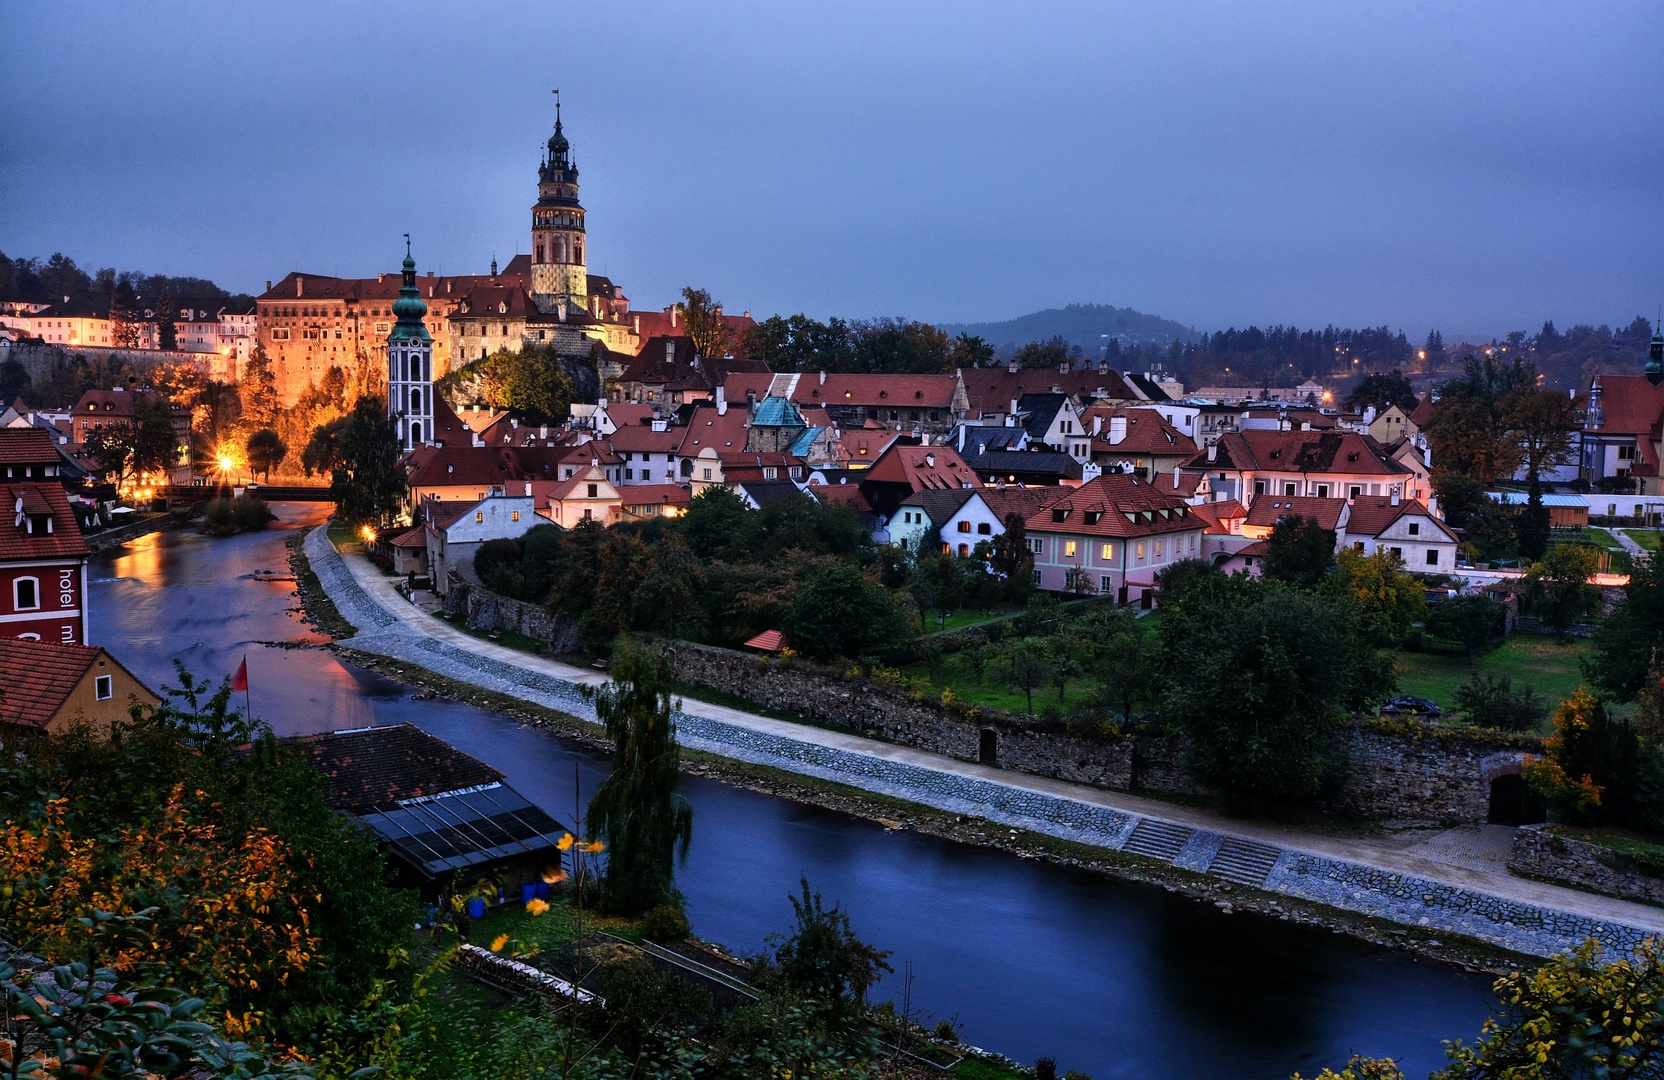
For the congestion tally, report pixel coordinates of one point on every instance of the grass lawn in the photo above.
(1647, 538)
(346, 541)
(1616, 841)
(961, 619)
(1529, 659)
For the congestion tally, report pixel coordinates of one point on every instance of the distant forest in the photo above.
(51, 280)
(1082, 325)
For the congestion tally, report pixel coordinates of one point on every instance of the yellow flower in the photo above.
(536, 906)
(597, 846)
(565, 842)
(498, 943)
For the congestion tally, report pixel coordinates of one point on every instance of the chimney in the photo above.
(1063, 368)
(637, 319)
(1175, 478)
(543, 431)
(672, 310)
(528, 487)
(300, 285)
(1012, 369)
(515, 424)
(823, 378)
(1369, 416)
(719, 311)
(1013, 407)
(1117, 430)
(750, 403)
(268, 285)
(1097, 425)
(745, 314)
(1213, 451)
(721, 401)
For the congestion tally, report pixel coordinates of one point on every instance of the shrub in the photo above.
(1493, 703)
(226, 517)
(1589, 765)
(666, 922)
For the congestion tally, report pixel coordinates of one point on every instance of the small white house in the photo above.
(456, 531)
(1406, 528)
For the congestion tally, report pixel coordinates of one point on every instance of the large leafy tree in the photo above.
(1472, 621)
(261, 403)
(841, 613)
(636, 812)
(1390, 599)
(1299, 551)
(368, 483)
(1627, 640)
(266, 451)
(1382, 390)
(1541, 425)
(534, 381)
(1268, 672)
(702, 316)
(147, 444)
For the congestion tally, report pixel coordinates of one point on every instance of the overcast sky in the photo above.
(1476, 167)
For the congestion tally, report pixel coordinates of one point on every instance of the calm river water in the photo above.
(1113, 979)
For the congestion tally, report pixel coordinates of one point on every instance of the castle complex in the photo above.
(309, 323)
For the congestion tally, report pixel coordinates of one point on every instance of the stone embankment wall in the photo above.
(486, 610)
(110, 538)
(1538, 853)
(1402, 776)
(44, 361)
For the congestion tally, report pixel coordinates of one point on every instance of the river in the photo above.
(1110, 978)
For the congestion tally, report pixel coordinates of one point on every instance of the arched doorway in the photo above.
(988, 750)
(1514, 803)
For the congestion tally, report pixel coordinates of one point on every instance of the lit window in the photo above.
(1109, 551)
(479, 516)
(514, 515)
(964, 526)
(104, 687)
(1140, 550)
(1068, 549)
(1158, 549)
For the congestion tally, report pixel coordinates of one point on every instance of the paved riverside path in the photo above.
(1374, 875)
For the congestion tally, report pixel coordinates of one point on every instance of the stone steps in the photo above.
(1244, 861)
(1157, 839)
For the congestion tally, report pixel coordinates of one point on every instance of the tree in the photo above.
(1052, 353)
(841, 613)
(1434, 348)
(970, 350)
(167, 322)
(1126, 666)
(636, 811)
(1299, 551)
(1541, 425)
(1590, 763)
(1391, 599)
(14, 381)
(534, 381)
(1011, 558)
(1563, 578)
(1174, 581)
(266, 451)
(1494, 703)
(124, 327)
(703, 318)
(1460, 495)
(1472, 621)
(1587, 1012)
(368, 483)
(1025, 667)
(322, 455)
(1382, 391)
(1627, 640)
(259, 386)
(146, 445)
(822, 960)
(1267, 674)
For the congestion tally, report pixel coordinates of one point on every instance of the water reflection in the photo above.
(1114, 979)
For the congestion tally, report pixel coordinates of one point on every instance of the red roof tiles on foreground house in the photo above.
(767, 641)
(1116, 505)
(51, 687)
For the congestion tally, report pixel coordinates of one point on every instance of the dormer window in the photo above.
(1060, 515)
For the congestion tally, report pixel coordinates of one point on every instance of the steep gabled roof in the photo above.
(1301, 452)
(1373, 516)
(1147, 432)
(848, 494)
(1016, 462)
(1022, 501)
(39, 677)
(1119, 505)
(921, 468)
(1219, 515)
(20, 502)
(27, 446)
(939, 506)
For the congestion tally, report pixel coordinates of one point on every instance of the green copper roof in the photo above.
(777, 412)
(409, 306)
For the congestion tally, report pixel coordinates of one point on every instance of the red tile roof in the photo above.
(27, 446)
(1022, 501)
(17, 503)
(483, 466)
(849, 494)
(659, 324)
(1270, 509)
(889, 391)
(767, 641)
(993, 389)
(1630, 405)
(1219, 515)
(1372, 516)
(414, 537)
(922, 467)
(662, 494)
(1116, 505)
(1148, 432)
(38, 678)
(381, 765)
(1257, 450)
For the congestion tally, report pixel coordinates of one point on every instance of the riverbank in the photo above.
(1404, 897)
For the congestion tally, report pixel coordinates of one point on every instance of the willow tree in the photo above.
(636, 812)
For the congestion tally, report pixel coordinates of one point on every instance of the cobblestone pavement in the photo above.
(1477, 847)
(1448, 884)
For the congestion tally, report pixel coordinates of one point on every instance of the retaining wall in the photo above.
(486, 610)
(1538, 853)
(1397, 776)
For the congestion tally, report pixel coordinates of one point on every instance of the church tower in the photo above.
(559, 280)
(410, 362)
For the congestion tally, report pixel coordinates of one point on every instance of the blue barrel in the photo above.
(476, 908)
(528, 891)
(542, 890)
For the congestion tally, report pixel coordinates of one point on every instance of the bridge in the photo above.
(271, 493)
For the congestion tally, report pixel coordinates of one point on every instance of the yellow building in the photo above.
(52, 688)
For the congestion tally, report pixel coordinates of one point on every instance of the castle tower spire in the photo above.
(560, 281)
(410, 362)
(1655, 354)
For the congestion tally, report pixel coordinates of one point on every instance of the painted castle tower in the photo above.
(410, 362)
(559, 281)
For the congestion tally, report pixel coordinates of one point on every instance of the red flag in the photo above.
(239, 681)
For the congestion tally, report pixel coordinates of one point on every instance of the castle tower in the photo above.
(1655, 355)
(410, 362)
(559, 281)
